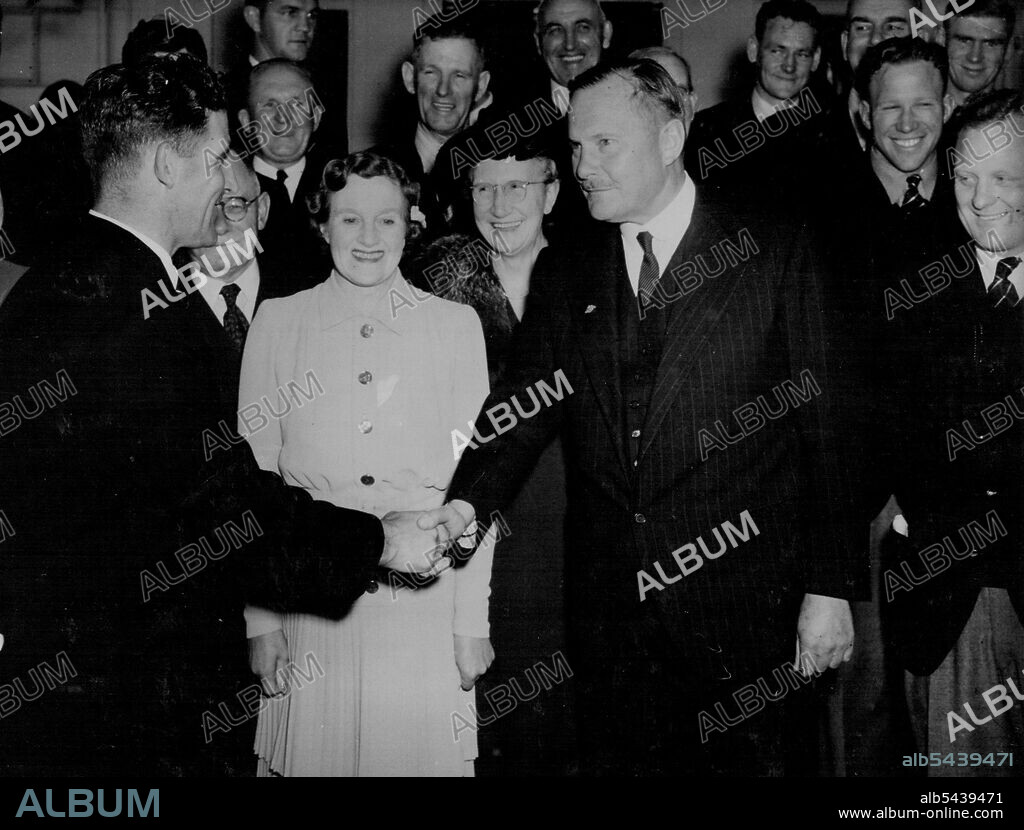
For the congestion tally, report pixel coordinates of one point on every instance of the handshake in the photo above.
(418, 541)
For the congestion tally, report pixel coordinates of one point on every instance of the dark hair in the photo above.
(799, 11)
(366, 165)
(652, 85)
(460, 27)
(262, 68)
(849, 6)
(154, 36)
(988, 107)
(161, 98)
(898, 50)
(1001, 9)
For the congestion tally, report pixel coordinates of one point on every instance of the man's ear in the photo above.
(262, 210)
(844, 38)
(817, 59)
(481, 88)
(607, 40)
(948, 105)
(252, 19)
(752, 49)
(244, 117)
(409, 77)
(165, 164)
(671, 140)
(865, 115)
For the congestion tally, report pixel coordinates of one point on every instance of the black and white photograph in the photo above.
(510, 389)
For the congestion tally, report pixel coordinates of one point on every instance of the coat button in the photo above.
(365, 427)
(635, 433)
(639, 518)
(365, 377)
(367, 480)
(372, 586)
(366, 330)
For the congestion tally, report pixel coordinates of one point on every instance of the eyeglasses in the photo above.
(235, 207)
(514, 192)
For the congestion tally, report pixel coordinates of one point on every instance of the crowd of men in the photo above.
(857, 229)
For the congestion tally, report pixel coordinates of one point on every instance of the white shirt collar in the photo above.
(763, 107)
(165, 258)
(428, 146)
(667, 230)
(253, 61)
(987, 263)
(560, 96)
(293, 171)
(249, 284)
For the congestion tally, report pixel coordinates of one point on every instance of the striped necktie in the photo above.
(1002, 289)
(650, 273)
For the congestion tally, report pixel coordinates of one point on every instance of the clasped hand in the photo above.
(419, 541)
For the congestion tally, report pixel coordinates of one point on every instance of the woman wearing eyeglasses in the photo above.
(380, 688)
(490, 270)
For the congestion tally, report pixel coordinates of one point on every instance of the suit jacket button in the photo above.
(365, 377)
(372, 586)
(367, 480)
(366, 330)
(639, 518)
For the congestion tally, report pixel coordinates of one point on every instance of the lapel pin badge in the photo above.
(590, 308)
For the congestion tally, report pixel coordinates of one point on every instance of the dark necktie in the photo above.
(235, 323)
(1001, 288)
(649, 273)
(282, 177)
(912, 199)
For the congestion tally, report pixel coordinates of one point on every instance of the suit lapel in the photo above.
(691, 318)
(595, 309)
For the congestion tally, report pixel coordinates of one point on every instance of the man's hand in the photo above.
(456, 520)
(473, 656)
(412, 545)
(825, 630)
(268, 659)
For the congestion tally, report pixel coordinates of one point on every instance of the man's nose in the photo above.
(877, 35)
(570, 40)
(983, 196)
(974, 53)
(220, 222)
(444, 86)
(907, 121)
(304, 24)
(789, 62)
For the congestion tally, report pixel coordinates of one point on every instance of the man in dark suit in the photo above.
(279, 121)
(954, 574)
(142, 522)
(764, 142)
(647, 353)
(447, 75)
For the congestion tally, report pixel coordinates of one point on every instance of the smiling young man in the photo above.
(977, 40)
(766, 137)
(954, 584)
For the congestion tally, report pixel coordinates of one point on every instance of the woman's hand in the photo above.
(268, 659)
(473, 656)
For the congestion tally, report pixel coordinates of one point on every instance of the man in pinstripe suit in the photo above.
(681, 330)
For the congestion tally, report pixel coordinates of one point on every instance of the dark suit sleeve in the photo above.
(835, 562)
(490, 474)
